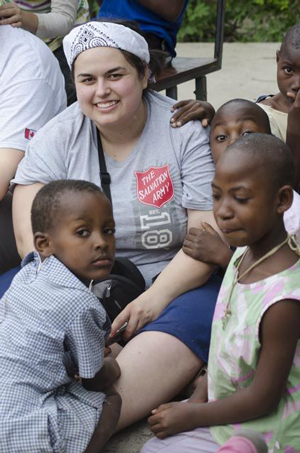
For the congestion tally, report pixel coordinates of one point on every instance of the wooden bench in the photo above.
(184, 69)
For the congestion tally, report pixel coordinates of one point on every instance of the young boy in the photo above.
(51, 325)
(233, 120)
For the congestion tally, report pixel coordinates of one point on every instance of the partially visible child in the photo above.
(51, 324)
(254, 359)
(234, 119)
(283, 109)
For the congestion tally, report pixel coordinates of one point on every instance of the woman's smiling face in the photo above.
(108, 87)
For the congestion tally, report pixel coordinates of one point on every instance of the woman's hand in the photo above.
(192, 110)
(206, 245)
(11, 14)
(172, 418)
(138, 313)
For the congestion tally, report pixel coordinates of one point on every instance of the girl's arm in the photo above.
(180, 275)
(280, 331)
(105, 378)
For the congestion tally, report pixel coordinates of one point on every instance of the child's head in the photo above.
(233, 120)
(252, 188)
(288, 63)
(73, 220)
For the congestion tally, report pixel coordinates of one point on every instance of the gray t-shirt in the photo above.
(168, 171)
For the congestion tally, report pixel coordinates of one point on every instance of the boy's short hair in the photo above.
(291, 38)
(261, 114)
(47, 202)
(274, 156)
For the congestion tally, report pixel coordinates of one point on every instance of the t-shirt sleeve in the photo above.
(86, 339)
(197, 167)
(22, 115)
(45, 159)
(59, 21)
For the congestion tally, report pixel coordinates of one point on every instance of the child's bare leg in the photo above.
(107, 422)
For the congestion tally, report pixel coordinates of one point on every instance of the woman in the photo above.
(160, 186)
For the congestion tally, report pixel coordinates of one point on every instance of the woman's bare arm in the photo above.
(22, 201)
(182, 274)
(9, 160)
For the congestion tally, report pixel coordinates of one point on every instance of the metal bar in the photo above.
(221, 6)
(172, 92)
(201, 88)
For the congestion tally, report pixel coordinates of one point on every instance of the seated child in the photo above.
(253, 371)
(283, 109)
(233, 120)
(51, 325)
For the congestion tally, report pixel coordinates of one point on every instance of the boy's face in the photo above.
(83, 237)
(288, 70)
(231, 123)
(244, 205)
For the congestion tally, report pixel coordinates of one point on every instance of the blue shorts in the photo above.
(6, 278)
(189, 317)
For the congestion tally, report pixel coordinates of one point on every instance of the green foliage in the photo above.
(94, 8)
(258, 20)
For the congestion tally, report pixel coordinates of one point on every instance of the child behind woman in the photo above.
(234, 119)
(283, 109)
(52, 325)
(253, 369)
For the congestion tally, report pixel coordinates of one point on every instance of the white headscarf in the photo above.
(104, 34)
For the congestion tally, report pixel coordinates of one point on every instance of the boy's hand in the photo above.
(172, 418)
(295, 106)
(206, 245)
(192, 110)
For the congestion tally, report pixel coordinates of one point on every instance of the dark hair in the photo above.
(47, 202)
(274, 157)
(259, 112)
(157, 57)
(291, 38)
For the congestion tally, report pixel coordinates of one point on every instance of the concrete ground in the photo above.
(248, 70)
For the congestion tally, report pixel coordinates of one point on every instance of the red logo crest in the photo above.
(154, 186)
(29, 133)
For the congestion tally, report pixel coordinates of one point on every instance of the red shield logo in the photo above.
(154, 186)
